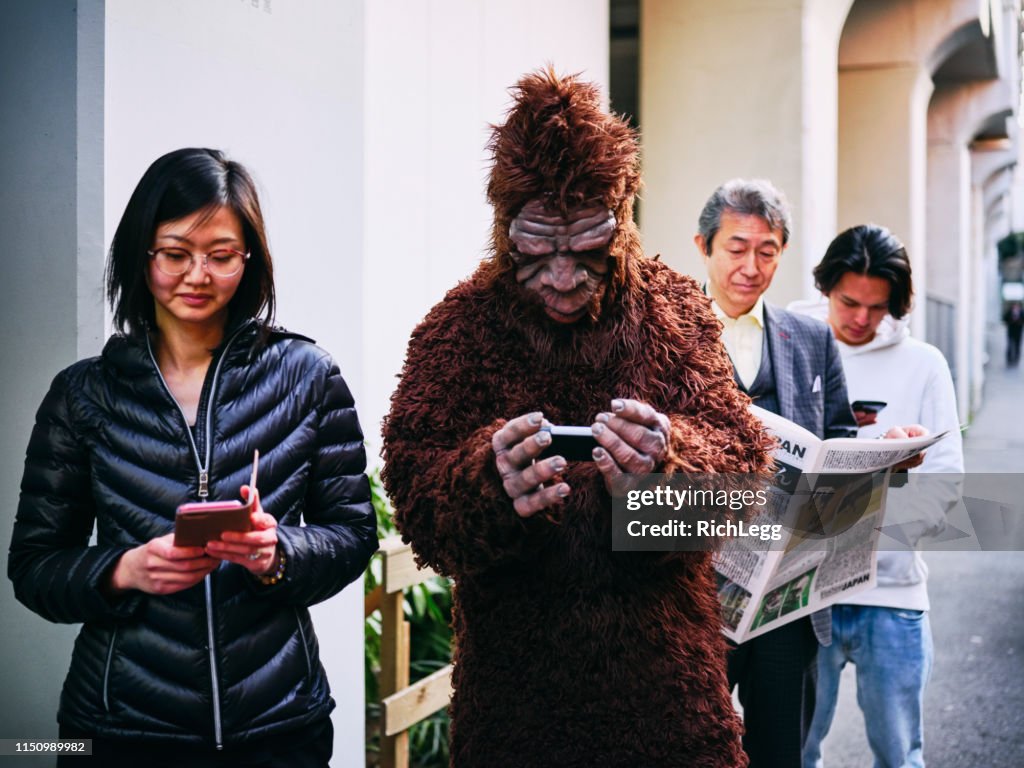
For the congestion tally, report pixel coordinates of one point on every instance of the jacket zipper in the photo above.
(203, 491)
(202, 465)
(210, 642)
(305, 645)
(106, 670)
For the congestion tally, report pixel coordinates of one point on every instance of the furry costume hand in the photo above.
(516, 445)
(633, 439)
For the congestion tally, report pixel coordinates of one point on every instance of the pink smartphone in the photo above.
(198, 522)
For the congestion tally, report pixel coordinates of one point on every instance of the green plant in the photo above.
(427, 608)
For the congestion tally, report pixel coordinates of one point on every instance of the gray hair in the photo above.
(754, 197)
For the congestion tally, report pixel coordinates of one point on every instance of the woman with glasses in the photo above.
(194, 655)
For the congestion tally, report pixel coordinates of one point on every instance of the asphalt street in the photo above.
(974, 704)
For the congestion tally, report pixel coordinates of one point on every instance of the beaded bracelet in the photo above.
(278, 574)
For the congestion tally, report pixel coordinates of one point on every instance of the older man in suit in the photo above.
(788, 364)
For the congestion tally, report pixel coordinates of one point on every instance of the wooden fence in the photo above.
(402, 705)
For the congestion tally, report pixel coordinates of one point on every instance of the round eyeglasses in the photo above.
(175, 262)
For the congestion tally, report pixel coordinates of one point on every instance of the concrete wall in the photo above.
(278, 86)
(50, 208)
(918, 81)
(882, 156)
(364, 123)
(886, 57)
(956, 220)
(739, 88)
(93, 92)
(437, 75)
(365, 130)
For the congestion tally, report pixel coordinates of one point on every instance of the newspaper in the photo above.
(829, 496)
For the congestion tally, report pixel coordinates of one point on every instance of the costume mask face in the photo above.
(563, 260)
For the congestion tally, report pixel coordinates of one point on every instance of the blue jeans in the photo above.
(892, 650)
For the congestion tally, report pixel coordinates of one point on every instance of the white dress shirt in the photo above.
(743, 338)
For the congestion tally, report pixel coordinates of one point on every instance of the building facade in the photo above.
(365, 123)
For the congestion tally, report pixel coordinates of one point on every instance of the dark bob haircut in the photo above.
(869, 250)
(177, 185)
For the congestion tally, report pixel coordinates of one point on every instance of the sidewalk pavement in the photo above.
(995, 440)
(975, 697)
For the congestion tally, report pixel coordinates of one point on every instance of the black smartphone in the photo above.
(868, 406)
(571, 443)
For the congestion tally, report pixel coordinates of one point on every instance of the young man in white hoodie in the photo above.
(865, 279)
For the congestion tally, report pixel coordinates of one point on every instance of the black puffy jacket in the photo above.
(230, 660)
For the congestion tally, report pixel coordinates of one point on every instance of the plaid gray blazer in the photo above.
(811, 390)
(809, 380)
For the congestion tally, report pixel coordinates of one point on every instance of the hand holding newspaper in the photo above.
(802, 449)
(830, 497)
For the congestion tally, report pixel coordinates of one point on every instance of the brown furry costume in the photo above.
(568, 654)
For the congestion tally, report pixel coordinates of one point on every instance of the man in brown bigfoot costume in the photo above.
(567, 653)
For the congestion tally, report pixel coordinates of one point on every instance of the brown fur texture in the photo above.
(557, 144)
(567, 653)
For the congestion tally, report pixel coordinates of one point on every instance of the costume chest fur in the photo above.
(569, 654)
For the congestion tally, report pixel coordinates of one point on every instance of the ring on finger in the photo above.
(255, 555)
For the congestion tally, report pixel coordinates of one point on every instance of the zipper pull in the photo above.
(204, 479)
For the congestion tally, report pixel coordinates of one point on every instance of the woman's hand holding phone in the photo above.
(254, 550)
(160, 568)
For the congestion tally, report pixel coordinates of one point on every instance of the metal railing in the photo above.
(940, 320)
